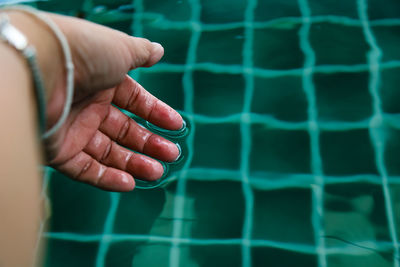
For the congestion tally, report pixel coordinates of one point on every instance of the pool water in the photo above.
(292, 156)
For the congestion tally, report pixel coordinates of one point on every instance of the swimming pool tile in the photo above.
(110, 4)
(279, 151)
(142, 253)
(280, 97)
(388, 40)
(376, 10)
(289, 222)
(343, 96)
(216, 255)
(166, 86)
(122, 253)
(333, 8)
(217, 94)
(170, 10)
(217, 146)
(269, 52)
(266, 256)
(355, 212)
(392, 148)
(77, 207)
(175, 42)
(334, 43)
(361, 257)
(139, 212)
(355, 221)
(66, 7)
(347, 153)
(389, 90)
(123, 24)
(273, 9)
(214, 46)
(64, 253)
(222, 11)
(210, 213)
(137, 253)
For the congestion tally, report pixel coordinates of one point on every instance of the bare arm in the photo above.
(96, 142)
(20, 158)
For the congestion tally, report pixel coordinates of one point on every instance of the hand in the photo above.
(94, 145)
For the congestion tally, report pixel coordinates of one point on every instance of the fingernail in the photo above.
(175, 151)
(180, 152)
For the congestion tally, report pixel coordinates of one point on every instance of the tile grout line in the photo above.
(374, 56)
(163, 23)
(313, 129)
(266, 73)
(245, 130)
(107, 232)
(188, 87)
(296, 247)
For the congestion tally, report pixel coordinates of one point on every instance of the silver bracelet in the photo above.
(19, 42)
(12, 36)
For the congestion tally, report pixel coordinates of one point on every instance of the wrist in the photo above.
(49, 57)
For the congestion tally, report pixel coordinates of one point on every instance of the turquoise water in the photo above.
(292, 156)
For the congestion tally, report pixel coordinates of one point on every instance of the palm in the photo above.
(95, 144)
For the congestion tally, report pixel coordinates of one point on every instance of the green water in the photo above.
(292, 157)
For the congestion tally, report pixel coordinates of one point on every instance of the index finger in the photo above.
(131, 96)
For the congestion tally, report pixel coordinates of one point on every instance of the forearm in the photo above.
(20, 153)
(20, 158)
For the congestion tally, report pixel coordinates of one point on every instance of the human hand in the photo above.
(95, 143)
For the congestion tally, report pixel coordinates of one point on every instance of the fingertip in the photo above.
(127, 182)
(118, 182)
(161, 149)
(145, 168)
(157, 52)
(157, 172)
(178, 121)
(166, 117)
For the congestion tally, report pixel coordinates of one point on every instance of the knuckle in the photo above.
(85, 168)
(123, 131)
(106, 152)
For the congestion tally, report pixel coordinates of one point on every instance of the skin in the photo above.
(94, 144)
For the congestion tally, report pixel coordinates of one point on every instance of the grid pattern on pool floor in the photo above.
(309, 172)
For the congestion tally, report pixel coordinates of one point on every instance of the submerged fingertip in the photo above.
(176, 121)
(123, 182)
(127, 183)
(158, 171)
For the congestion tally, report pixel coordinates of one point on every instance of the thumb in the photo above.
(143, 52)
(102, 56)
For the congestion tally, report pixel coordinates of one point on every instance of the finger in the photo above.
(125, 131)
(101, 55)
(107, 152)
(85, 168)
(144, 53)
(131, 96)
